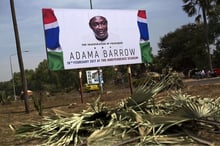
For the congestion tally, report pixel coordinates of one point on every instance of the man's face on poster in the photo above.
(99, 25)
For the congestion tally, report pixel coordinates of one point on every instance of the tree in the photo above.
(193, 7)
(18, 81)
(183, 49)
(44, 78)
(68, 79)
(214, 27)
(216, 56)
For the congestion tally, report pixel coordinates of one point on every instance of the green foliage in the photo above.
(7, 87)
(109, 74)
(214, 27)
(53, 81)
(4, 99)
(184, 48)
(205, 9)
(38, 104)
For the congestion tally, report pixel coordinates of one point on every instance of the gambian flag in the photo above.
(51, 31)
(144, 37)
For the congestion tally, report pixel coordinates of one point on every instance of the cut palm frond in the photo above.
(96, 106)
(61, 114)
(139, 120)
(143, 93)
(179, 97)
(60, 132)
(195, 110)
(171, 139)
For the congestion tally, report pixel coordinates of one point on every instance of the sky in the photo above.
(163, 16)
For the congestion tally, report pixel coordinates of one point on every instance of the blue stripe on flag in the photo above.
(143, 28)
(52, 38)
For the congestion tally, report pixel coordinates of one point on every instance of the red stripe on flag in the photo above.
(142, 14)
(48, 16)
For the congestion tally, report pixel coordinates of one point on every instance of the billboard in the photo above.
(83, 38)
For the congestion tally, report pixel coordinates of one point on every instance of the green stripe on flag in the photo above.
(55, 60)
(146, 52)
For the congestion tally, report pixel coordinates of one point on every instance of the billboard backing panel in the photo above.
(82, 38)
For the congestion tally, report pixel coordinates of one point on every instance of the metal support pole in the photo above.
(100, 80)
(90, 4)
(12, 73)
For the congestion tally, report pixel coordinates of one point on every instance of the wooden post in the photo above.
(20, 60)
(130, 79)
(81, 86)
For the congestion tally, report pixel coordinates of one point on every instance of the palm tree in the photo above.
(192, 8)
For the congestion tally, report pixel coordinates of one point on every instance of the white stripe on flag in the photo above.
(55, 50)
(51, 25)
(142, 20)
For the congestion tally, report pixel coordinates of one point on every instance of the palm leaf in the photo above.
(96, 106)
(143, 93)
(196, 111)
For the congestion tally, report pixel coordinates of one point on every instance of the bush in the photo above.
(4, 99)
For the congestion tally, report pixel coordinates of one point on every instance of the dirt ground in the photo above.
(14, 113)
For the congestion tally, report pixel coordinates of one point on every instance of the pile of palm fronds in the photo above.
(138, 120)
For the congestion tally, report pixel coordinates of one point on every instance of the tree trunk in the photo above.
(204, 13)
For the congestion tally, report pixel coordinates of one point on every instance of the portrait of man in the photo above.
(99, 26)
